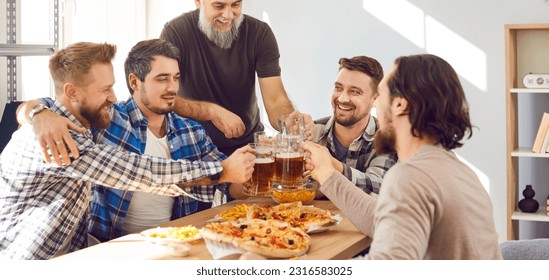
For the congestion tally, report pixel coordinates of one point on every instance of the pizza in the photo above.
(270, 238)
(294, 213)
(282, 212)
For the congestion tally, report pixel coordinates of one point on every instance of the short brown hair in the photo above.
(366, 65)
(74, 62)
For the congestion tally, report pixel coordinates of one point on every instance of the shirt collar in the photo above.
(368, 134)
(138, 119)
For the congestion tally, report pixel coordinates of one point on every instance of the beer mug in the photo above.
(292, 124)
(289, 161)
(260, 183)
(260, 137)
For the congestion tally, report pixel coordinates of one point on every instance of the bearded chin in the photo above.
(384, 141)
(97, 119)
(224, 40)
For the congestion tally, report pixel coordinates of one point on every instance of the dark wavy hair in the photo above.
(366, 65)
(437, 106)
(140, 57)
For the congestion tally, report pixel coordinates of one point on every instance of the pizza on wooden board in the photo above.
(270, 238)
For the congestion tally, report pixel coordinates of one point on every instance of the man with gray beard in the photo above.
(222, 50)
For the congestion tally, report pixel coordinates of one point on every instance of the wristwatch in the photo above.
(37, 109)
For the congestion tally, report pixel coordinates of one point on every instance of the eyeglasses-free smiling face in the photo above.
(352, 98)
(158, 91)
(97, 97)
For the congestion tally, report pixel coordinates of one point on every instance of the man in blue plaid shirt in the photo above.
(44, 208)
(146, 124)
(349, 132)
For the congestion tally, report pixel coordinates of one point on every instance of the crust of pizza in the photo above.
(270, 238)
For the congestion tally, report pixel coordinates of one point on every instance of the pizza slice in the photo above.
(281, 212)
(312, 217)
(270, 238)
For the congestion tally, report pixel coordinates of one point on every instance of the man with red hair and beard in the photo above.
(431, 205)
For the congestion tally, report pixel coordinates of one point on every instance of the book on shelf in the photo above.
(545, 144)
(542, 131)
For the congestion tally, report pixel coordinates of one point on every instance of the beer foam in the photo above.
(289, 155)
(264, 160)
(264, 150)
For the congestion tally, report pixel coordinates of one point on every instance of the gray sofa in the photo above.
(531, 249)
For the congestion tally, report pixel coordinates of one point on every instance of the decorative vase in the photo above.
(528, 204)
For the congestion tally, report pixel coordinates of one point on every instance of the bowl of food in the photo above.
(176, 240)
(305, 192)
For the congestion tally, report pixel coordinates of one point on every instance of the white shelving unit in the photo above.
(526, 50)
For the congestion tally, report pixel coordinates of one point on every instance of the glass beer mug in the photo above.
(289, 161)
(260, 183)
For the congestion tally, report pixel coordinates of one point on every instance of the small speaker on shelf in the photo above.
(532, 80)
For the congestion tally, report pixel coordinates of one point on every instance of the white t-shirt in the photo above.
(149, 210)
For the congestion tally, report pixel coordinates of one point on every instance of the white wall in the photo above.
(120, 22)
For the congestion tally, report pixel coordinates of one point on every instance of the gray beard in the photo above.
(224, 40)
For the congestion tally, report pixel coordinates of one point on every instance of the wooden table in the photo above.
(341, 241)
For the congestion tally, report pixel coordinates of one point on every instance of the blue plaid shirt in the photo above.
(44, 208)
(187, 139)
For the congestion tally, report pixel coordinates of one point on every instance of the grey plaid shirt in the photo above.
(45, 208)
(361, 166)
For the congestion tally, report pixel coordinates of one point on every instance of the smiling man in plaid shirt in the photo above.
(44, 208)
(349, 132)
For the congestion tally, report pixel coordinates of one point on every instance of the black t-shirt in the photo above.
(225, 76)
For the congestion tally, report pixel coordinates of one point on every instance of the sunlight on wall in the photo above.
(432, 36)
(469, 61)
(411, 28)
(266, 18)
